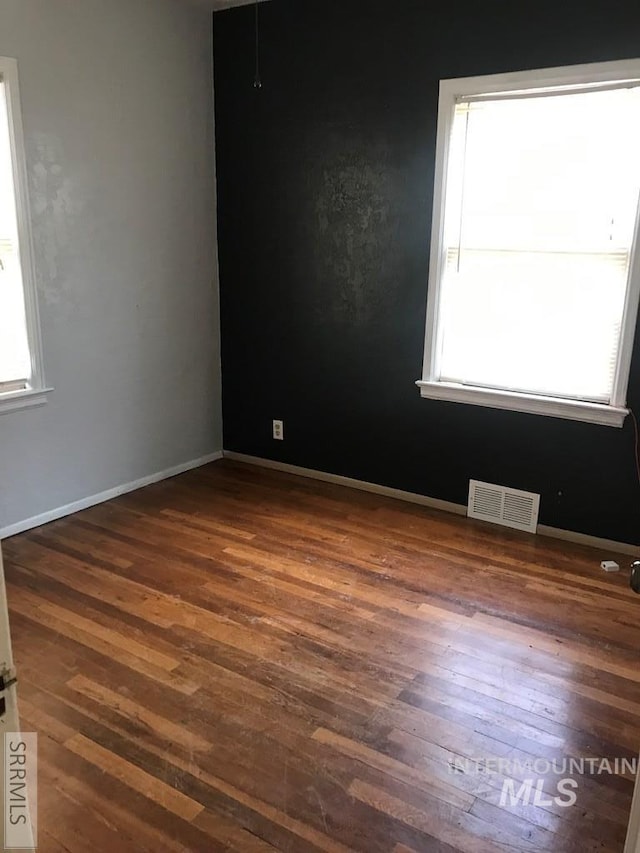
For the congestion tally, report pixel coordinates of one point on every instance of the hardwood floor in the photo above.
(243, 660)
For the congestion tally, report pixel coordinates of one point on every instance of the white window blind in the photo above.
(15, 358)
(539, 221)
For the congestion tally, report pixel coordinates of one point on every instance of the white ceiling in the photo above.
(222, 4)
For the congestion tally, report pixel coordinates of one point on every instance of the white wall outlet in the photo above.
(278, 430)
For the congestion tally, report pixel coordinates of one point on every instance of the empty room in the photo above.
(319, 445)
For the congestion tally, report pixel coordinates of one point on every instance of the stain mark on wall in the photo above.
(356, 228)
(53, 212)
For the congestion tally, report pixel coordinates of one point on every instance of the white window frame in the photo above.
(35, 393)
(574, 76)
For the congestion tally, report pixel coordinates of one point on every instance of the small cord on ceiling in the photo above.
(257, 82)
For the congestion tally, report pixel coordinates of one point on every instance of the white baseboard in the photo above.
(92, 500)
(606, 545)
(361, 485)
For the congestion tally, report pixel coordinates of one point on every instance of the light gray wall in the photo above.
(118, 116)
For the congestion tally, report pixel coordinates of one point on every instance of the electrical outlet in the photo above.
(278, 430)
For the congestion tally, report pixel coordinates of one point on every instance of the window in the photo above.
(533, 287)
(21, 375)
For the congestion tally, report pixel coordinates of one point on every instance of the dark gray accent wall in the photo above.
(325, 183)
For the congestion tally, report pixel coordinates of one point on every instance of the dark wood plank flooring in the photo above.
(243, 660)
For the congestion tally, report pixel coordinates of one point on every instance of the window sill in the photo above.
(23, 399)
(553, 407)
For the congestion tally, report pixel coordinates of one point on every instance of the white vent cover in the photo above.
(501, 505)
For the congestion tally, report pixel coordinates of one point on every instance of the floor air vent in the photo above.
(501, 505)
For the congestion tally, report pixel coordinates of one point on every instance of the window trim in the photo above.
(36, 390)
(612, 414)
